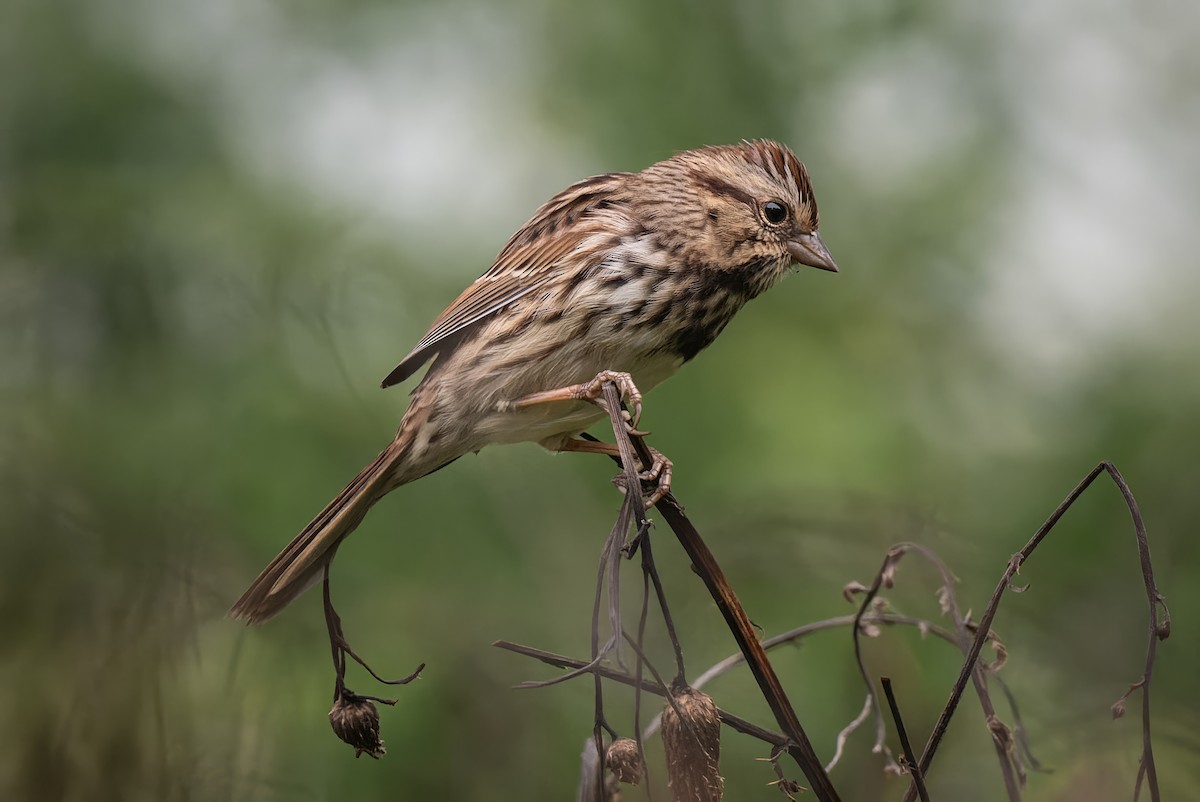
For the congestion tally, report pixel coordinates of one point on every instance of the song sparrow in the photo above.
(633, 273)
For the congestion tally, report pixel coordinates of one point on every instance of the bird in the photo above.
(623, 276)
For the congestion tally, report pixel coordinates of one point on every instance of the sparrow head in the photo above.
(736, 206)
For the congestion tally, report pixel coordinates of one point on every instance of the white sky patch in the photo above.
(901, 109)
(426, 125)
(1096, 238)
(1095, 241)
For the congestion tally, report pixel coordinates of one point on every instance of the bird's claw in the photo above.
(659, 472)
(655, 480)
(594, 391)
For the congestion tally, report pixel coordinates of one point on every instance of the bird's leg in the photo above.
(592, 391)
(657, 473)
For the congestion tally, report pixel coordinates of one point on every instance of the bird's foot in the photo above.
(656, 480)
(592, 391)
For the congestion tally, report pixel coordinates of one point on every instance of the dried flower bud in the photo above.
(945, 597)
(852, 589)
(891, 562)
(691, 734)
(1118, 708)
(789, 788)
(356, 721)
(624, 759)
(1001, 655)
(1164, 629)
(1001, 734)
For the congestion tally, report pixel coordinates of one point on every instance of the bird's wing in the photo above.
(528, 262)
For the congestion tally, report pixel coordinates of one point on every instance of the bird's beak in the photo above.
(807, 249)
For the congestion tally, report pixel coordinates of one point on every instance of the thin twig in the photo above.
(775, 739)
(1020, 734)
(610, 562)
(845, 732)
(979, 678)
(340, 649)
(705, 564)
(906, 747)
(1157, 630)
(882, 577)
(652, 572)
(562, 661)
(579, 667)
(642, 541)
(949, 602)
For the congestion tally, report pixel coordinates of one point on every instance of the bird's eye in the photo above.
(774, 212)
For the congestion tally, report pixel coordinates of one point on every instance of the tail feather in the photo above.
(302, 562)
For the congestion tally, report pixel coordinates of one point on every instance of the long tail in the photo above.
(301, 564)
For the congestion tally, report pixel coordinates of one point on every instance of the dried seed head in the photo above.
(691, 734)
(624, 760)
(356, 721)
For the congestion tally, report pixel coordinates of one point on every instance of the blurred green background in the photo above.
(222, 223)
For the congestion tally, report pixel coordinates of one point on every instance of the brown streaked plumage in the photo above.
(628, 272)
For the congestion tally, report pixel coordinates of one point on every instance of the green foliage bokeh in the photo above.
(202, 281)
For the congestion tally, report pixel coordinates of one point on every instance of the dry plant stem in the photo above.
(580, 666)
(631, 510)
(640, 665)
(650, 576)
(872, 699)
(978, 676)
(902, 734)
(672, 690)
(1156, 630)
(724, 666)
(845, 732)
(651, 572)
(1022, 737)
(610, 563)
(353, 717)
(341, 649)
(734, 660)
(657, 688)
(705, 564)
(591, 775)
